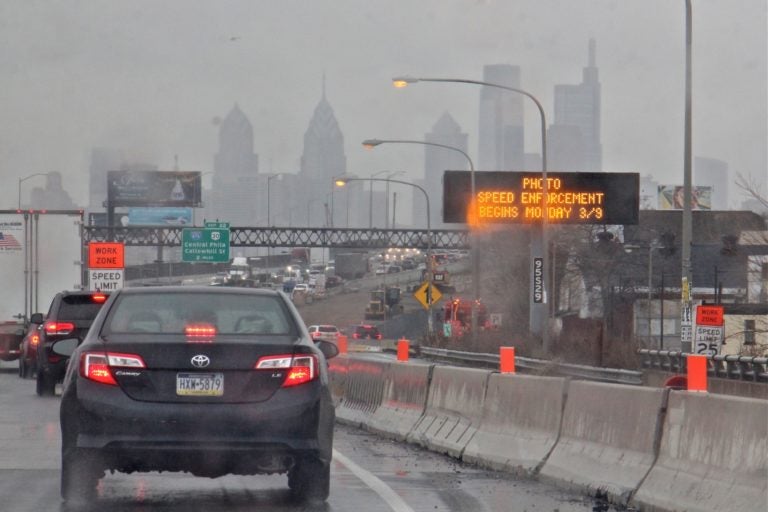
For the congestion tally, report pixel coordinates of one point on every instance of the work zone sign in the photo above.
(106, 255)
(105, 280)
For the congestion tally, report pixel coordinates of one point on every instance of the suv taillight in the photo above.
(64, 328)
(97, 366)
(300, 369)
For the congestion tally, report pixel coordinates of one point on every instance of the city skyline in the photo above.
(83, 76)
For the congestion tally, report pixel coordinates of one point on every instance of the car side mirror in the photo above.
(36, 318)
(328, 349)
(65, 347)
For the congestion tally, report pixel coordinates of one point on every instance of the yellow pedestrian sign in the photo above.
(423, 296)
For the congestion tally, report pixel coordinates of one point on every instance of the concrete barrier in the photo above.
(363, 391)
(713, 456)
(453, 412)
(337, 376)
(405, 397)
(607, 439)
(520, 423)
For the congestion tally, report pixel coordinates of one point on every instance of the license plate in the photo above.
(200, 384)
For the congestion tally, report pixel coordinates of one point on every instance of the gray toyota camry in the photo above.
(205, 380)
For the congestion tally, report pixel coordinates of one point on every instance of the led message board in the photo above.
(506, 197)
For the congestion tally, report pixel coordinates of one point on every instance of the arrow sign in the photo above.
(427, 294)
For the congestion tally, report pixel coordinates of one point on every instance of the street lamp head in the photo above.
(371, 143)
(403, 81)
(340, 182)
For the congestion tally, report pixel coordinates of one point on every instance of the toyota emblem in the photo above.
(200, 361)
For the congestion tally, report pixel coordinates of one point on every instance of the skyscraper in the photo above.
(501, 136)
(323, 159)
(575, 134)
(234, 197)
(437, 160)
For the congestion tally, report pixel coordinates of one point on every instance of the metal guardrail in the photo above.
(752, 369)
(537, 366)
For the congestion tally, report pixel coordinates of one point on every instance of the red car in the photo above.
(364, 331)
(28, 355)
(10, 339)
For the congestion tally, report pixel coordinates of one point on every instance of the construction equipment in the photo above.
(384, 303)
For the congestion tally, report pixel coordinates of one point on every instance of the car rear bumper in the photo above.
(243, 438)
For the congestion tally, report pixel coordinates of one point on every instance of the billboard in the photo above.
(162, 216)
(154, 188)
(671, 197)
(507, 197)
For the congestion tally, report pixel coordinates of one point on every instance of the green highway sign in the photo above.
(217, 225)
(205, 244)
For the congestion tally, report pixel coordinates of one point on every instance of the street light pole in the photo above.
(430, 274)
(687, 284)
(370, 199)
(539, 245)
(372, 143)
(386, 208)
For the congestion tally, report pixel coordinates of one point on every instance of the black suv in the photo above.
(70, 316)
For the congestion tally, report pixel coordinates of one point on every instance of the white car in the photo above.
(324, 332)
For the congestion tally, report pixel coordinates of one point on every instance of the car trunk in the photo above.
(176, 369)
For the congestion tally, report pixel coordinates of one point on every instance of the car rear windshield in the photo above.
(77, 307)
(327, 328)
(178, 312)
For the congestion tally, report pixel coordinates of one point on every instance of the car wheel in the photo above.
(80, 474)
(310, 480)
(46, 385)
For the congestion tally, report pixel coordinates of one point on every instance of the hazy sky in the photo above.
(150, 77)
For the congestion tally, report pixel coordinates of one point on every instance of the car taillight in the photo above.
(356, 336)
(378, 336)
(58, 327)
(97, 366)
(98, 298)
(34, 340)
(300, 369)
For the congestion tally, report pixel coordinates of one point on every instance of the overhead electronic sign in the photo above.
(506, 197)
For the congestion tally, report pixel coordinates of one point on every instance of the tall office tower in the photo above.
(52, 196)
(501, 142)
(323, 159)
(437, 160)
(234, 197)
(710, 172)
(103, 160)
(577, 106)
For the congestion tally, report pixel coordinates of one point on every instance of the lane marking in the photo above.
(394, 501)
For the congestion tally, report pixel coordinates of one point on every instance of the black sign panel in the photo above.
(506, 197)
(154, 188)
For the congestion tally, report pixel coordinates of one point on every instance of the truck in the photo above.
(351, 265)
(41, 254)
(384, 303)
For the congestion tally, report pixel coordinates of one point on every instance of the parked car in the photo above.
(11, 334)
(205, 380)
(70, 316)
(324, 332)
(28, 356)
(365, 331)
(394, 269)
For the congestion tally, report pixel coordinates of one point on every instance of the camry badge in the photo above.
(200, 361)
